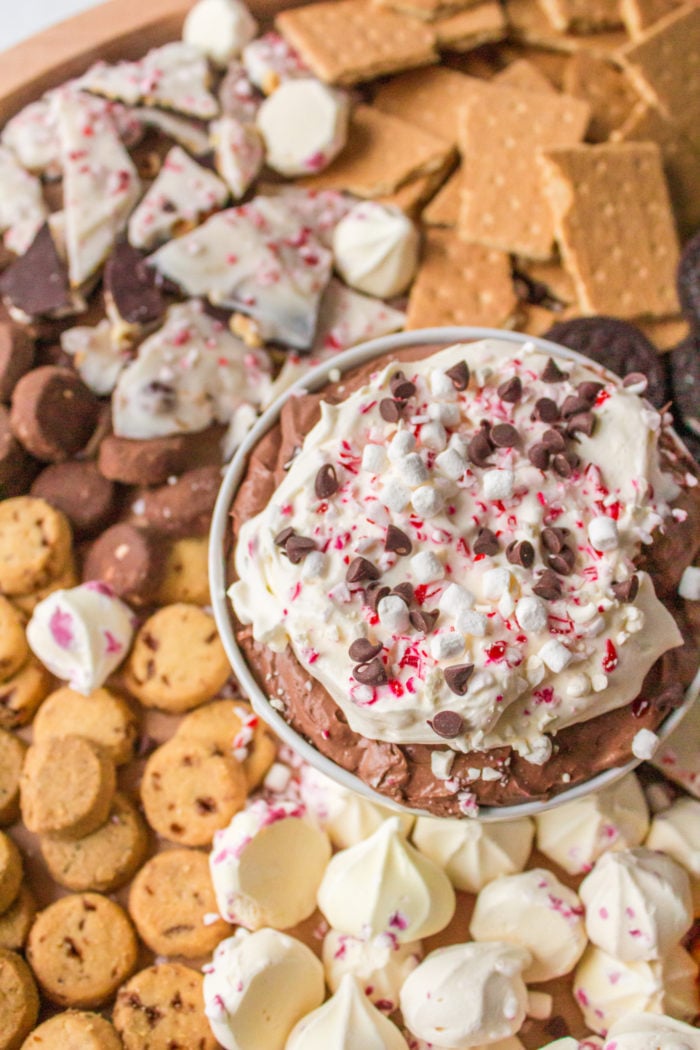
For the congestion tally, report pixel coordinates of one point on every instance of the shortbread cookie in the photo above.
(102, 717)
(67, 787)
(12, 752)
(103, 860)
(66, 577)
(35, 541)
(190, 789)
(235, 727)
(177, 660)
(161, 1008)
(170, 902)
(74, 1030)
(13, 643)
(53, 413)
(185, 574)
(16, 922)
(21, 695)
(19, 1001)
(81, 948)
(10, 871)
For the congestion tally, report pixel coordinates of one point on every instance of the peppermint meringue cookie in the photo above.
(375, 249)
(537, 912)
(247, 974)
(467, 994)
(576, 834)
(608, 989)
(347, 817)
(220, 29)
(473, 854)
(638, 904)
(648, 1032)
(267, 864)
(82, 634)
(304, 124)
(569, 1043)
(380, 963)
(676, 832)
(348, 1021)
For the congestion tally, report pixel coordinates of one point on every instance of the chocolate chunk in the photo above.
(390, 410)
(457, 678)
(511, 390)
(486, 542)
(130, 284)
(554, 440)
(447, 724)
(627, 590)
(77, 488)
(401, 388)
(17, 468)
(581, 423)
(685, 381)
(548, 586)
(36, 284)
(374, 592)
(282, 537)
(397, 541)
(539, 456)
(546, 410)
(297, 547)
(423, 620)
(459, 374)
(361, 569)
(362, 650)
(405, 591)
(504, 435)
(53, 413)
(371, 673)
(185, 507)
(521, 552)
(326, 482)
(688, 280)
(617, 345)
(16, 358)
(553, 539)
(573, 404)
(479, 449)
(552, 373)
(129, 560)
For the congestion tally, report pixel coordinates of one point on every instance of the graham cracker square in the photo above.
(428, 9)
(523, 75)
(459, 283)
(470, 29)
(443, 209)
(503, 203)
(582, 16)
(432, 99)
(615, 227)
(605, 88)
(529, 25)
(350, 41)
(665, 332)
(413, 195)
(640, 15)
(382, 153)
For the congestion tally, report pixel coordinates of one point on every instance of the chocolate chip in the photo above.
(635, 378)
(326, 482)
(405, 591)
(371, 673)
(282, 537)
(479, 449)
(521, 552)
(581, 423)
(554, 440)
(457, 678)
(627, 590)
(362, 650)
(511, 390)
(361, 569)
(397, 541)
(486, 542)
(552, 373)
(504, 435)
(374, 592)
(562, 466)
(589, 390)
(553, 539)
(422, 620)
(546, 410)
(447, 724)
(402, 388)
(390, 410)
(297, 547)
(562, 562)
(573, 405)
(548, 586)
(539, 456)
(459, 374)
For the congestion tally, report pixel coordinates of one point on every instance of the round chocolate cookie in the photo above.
(85, 496)
(618, 346)
(136, 462)
(688, 280)
(185, 507)
(17, 467)
(16, 358)
(685, 383)
(129, 560)
(53, 413)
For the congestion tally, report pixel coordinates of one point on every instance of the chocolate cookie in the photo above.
(17, 467)
(135, 462)
(129, 560)
(86, 497)
(183, 508)
(618, 346)
(53, 413)
(688, 280)
(685, 382)
(16, 357)
(36, 284)
(130, 287)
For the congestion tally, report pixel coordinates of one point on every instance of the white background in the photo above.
(29, 16)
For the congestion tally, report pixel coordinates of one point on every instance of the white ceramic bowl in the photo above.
(315, 379)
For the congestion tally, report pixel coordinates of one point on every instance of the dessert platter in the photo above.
(350, 527)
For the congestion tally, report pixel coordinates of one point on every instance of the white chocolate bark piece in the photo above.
(239, 153)
(189, 134)
(97, 356)
(174, 76)
(22, 205)
(220, 29)
(31, 135)
(375, 249)
(258, 259)
(381, 963)
(304, 124)
(270, 60)
(347, 318)
(182, 194)
(190, 373)
(100, 184)
(347, 1020)
(237, 96)
(474, 854)
(319, 210)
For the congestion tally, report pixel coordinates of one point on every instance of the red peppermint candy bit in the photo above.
(610, 660)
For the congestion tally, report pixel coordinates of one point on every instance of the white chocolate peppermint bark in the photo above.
(190, 134)
(183, 193)
(514, 624)
(347, 318)
(239, 153)
(98, 357)
(270, 60)
(22, 206)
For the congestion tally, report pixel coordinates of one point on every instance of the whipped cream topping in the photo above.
(380, 963)
(220, 29)
(647, 1032)
(518, 609)
(474, 854)
(348, 1021)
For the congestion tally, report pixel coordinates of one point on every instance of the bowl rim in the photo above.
(260, 702)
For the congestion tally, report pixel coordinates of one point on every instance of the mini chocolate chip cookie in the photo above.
(162, 1008)
(67, 786)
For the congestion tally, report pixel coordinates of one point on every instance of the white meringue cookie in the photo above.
(81, 635)
(348, 1021)
(347, 817)
(380, 963)
(676, 832)
(247, 974)
(537, 912)
(638, 904)
(266, 866)
(649, 1032)
(466, 995)
(474, 854)
(384, 885)
(304, 124)
(569, 1043)
(576, 834)
(220, 29)
(375, 248)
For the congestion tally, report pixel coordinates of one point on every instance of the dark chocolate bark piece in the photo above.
(130, 286)
(37, 284)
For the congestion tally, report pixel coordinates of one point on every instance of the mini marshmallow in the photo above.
(555, 655)
(393, 613)
(498, 484)
(455, 599)
(451, 464)
(427, 501)
(433, 436)
(413, 469)
(441, 385)
(220, 29)
(402, 443)
(447, 414)
(496, 582)
(689, 587)
(304, 125)
(602, 532)
(427, 567)
(446, 644)
(373, 459)
(644, 744)
(531, 614)
(506, 605)
(473, 623)
(395, 495)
